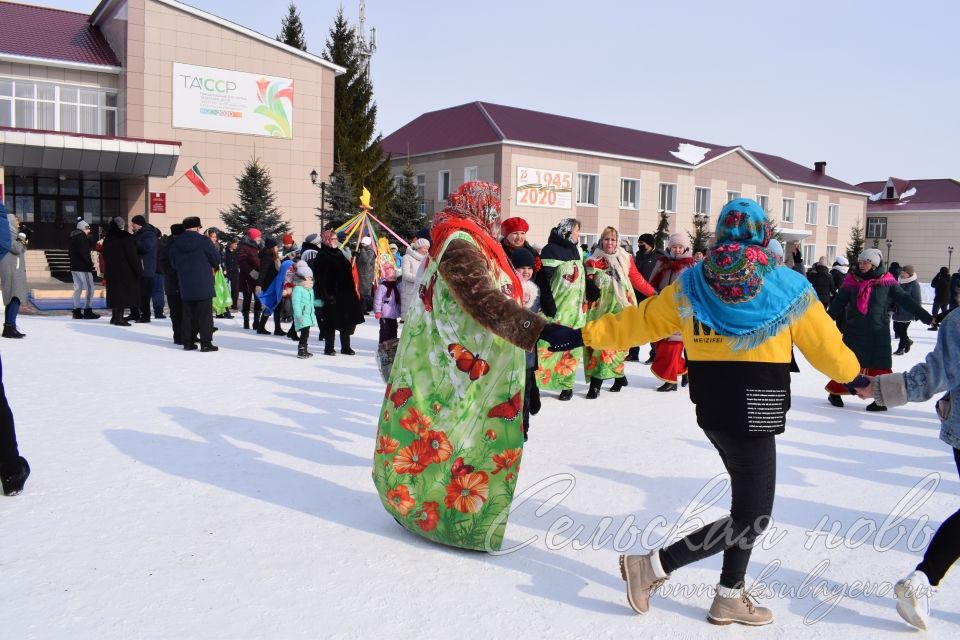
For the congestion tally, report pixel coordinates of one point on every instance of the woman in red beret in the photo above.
(514, 236)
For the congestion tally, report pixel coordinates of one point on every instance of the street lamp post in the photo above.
(323, 195)
(889, 244)
(949, 258)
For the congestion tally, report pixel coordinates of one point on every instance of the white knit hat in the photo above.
(678, 240)
(871, 255)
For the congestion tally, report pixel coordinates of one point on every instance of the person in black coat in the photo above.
(194, 258)
(231, 270)
(822, 282)
(123, 269)
(333, 283)
(955, 290)
(941, 296)
(170, 283)
(645, 260)
(269, 270)
(81, 270)
(146, 237)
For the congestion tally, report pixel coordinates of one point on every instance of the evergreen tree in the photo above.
(355, 143)
(256, 208)
(405, 216)
(700, 235)
(343, 202)
(662, 232)
(775, 230)
(855, 248)
(291, 29)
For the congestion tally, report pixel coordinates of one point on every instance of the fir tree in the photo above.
(663, 231)
(405, 216)
(775, 229)
(855, 248)
(291, 29)
(343, 202)
(355, 143)
(700, 235)
(256, 208)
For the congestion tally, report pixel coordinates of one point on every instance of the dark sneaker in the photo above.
(873, 406)
(348, 352)
(835, 400)
(77, 314)
(209, 347)
(667, 386)
(88, 314)
(190, 346)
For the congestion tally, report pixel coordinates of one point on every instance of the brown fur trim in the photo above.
(467, 274)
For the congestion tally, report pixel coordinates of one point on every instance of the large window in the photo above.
(833, 215)
(876, 227)
(764, 202)
(469, 174)
(588, 192)
(40, 199)
(809, 255)
(831, 253)
(701, 200)
(443, 185)
(732, 195)
(629, 194)
(668, 197)
(27, 104)
(787, 211)
(811, 213)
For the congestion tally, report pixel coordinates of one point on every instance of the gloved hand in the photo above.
(561, 338)
(860, 382)
(377, 315)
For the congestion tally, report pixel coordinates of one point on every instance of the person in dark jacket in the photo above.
(248, 259)
(901, 317)
(645, 259)
(895, 270)
(865, 299)
(269, 270)
(13, 467)
(941, 296)
(822, 282)
(333, 283)
(231, 270)
(122, 268)
(798, 259)
(170, 283)
(194, 258)
(839, 272)
(146, 237)
(81, 270)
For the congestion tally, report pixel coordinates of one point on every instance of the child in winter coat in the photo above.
(524, 262)
(304, 314)
(386, 302)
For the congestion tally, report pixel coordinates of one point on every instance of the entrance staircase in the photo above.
(49, 263)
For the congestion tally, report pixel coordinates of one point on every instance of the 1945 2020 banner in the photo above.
(544, 188)
(232, 101)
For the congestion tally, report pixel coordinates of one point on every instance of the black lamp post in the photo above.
(949, 258)
(889, 244)
(323, 195)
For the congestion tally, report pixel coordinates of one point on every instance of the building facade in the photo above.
(552, 167)
(915, 222)
(101, 115)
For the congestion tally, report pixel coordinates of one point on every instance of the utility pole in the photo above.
(365, 48)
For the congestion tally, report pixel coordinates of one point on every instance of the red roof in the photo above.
(934, 194)
(39, 32)
(479, 123)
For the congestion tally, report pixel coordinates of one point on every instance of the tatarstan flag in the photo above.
(194, 176)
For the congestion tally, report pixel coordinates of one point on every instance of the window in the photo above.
(41, 105)
(876, 227)
(811, 213)
(891, 193)
(589, 239)
(732, 195)
(668, 197)
(831, 253)
(701, 199)
(764, 202)
(421, 186)
(469, 174)
(443, 185)
(787, 210)
(587, 189)
(629, 194)
(833, 215)
(809, 255)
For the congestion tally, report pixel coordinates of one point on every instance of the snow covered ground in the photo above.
(228, 495)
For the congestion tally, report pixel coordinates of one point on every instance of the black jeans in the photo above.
(9, 454)
(900, 333)
(751, 462)
(197, 320)
(944, 549)
(146, 296)
(304, 337)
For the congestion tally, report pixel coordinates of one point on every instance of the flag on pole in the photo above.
(194, 176)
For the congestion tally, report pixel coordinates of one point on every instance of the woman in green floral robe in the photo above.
(450, 437)
(615, 274)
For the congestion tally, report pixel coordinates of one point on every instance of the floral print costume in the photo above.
(450, 438)
(558, 370)
(605, 364)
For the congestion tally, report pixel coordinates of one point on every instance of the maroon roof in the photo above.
(939, 194)
(39, 32)
(485, 123)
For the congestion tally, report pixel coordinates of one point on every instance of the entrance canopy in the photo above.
(56, 151)
(793, 235)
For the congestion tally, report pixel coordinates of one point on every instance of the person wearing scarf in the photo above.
(740, 314)
(450, 439)
(901, 317)
(863, 302)
(669, 364)
(615, 274)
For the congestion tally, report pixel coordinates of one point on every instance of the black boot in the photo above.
(565, 395)
(77, 314)
(10, 331)
(13, 481)
(534, 400)
(293, 334)
(345, 345)
(667, 386)
(835, 400)
(262, 326)
(618, 384)
(302, 352)
(906, 348)
(246, 321)
(118, 318)
(88, 314)
(873, 406)
(683, 380)
(594, 390)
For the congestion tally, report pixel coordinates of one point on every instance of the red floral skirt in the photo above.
(840, 388)
(669, 363)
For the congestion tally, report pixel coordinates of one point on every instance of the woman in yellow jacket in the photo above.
(739, 314)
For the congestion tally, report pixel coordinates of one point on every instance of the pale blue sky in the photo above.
(872, 87)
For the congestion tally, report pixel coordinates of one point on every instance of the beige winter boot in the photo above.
(641, 579)
(741, 609)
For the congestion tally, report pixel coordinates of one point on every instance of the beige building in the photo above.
(915, 222)
(552, 167)
(102, 115)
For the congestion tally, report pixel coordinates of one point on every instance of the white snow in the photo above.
(909, 193)
(875, 196)
(228, 495)
(690, 153)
